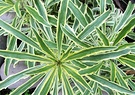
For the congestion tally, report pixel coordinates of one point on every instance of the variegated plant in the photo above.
(81, 50)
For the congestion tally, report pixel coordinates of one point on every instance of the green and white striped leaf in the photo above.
(12, 45)
(93, 25)
(43, 45)
(79, 86)
(123, 33)
(17, 9)
(128, 61)
(124, 46)
(102, 37)
(4, 4)
(55, 90)
(107, 56)
(87, 52)
(67, 86)
(43, 69)
(61, 21)
(125, 17)
(74, 38)
(90, 13)
(8, 28)
(48, 84)
(78, 14)
(113, 72)
(5, 9)
(43, 12)
(53, 20)
(23, 56)
(78, 64)
(45, 85)
(90, 70)
(14, 78)
(41, 84)
(109, 91)
(8, 61)
(121, 80)
(111, 85)
(37, 16)
(21, 89)
(102, 6)
(76, 76)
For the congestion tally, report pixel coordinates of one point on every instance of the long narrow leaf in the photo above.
(67, 86)
(17, 9)
(113, 72)
(43, 12)
(88, 52)
(90, 70)
(52, 20)
(124, 31)
(110, 55)
(127, 61)
(41, 84)
(43, 69)
(14, 78)
(110, 85)
(76, 76)
(48, 83)
(61, 21)
(11, 46)
(93, 25)
(21, 89)
(37, 16)
(77, 13)
(5, 9)
(126, 16)
(73, 38)
(43, 45)
(102, 37)
(55, 90)
(8, 28)
(78, 64)
(121, 80)
(22, 56)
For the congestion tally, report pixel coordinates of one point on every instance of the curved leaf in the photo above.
(128, 61)
(93, 25)
(43, 45)
(67, 86)
(124, 31)
(43, 12)
(23, 56)
(5, 9)
(36, 16)
(110, 85)
(14, 78)
(107, 56)
(21, 89)
(88, 52)
(126, 16)
(90, 70)
(76, 76)
(17, 9)
(8, 28)
(45, 85)
(77, 13)
(103, 37)
(74, 38)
